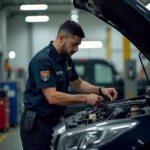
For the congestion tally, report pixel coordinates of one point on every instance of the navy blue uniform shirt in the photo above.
(48, 69)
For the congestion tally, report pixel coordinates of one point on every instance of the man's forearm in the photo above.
(59, 98)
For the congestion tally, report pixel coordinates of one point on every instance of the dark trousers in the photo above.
(41, 136)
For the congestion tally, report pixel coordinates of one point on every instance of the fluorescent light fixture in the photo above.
(74, 17)
(74, 11)
(91, 44)
(36, 18)
(34, 7)
(148, 6)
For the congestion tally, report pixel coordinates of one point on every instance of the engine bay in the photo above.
(119, 109)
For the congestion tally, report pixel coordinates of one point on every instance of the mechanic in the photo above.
(46, 94)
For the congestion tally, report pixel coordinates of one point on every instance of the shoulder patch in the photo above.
(45, 75)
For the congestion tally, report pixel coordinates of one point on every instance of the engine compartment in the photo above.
(119, 109)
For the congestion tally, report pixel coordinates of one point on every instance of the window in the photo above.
(103, 74)
(82, 70)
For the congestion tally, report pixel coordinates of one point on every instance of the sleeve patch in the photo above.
(45, 75)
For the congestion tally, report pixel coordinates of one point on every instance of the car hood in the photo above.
(130, 17)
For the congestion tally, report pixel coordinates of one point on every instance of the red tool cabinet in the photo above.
(4, 114)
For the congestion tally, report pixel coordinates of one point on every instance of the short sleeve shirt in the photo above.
(48, 69)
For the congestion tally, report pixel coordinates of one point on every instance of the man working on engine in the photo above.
(46, 95)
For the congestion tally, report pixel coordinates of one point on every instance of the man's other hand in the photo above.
(111, 93)
(93, 99)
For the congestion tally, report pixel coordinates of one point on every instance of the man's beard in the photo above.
(64, 52)
(67, 54)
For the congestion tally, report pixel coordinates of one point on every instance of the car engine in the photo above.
(108, 111)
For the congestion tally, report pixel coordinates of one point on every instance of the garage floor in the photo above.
(10, 140)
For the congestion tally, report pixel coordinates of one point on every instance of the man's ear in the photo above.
(61, 38)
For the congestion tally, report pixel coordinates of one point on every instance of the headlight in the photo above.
(94, 135)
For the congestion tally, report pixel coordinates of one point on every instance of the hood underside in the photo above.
(130, 17)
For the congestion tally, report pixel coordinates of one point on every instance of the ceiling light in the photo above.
(36, 18)
(34, 7)
(12, 55)
(91, 44)
(74, 11)
(75, 20)
(74, 17)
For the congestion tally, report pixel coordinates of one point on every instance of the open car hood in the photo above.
(130, 17)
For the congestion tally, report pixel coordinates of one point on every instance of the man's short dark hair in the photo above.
(71, 28)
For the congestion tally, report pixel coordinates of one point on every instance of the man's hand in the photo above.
(93, 99)
(111, 93)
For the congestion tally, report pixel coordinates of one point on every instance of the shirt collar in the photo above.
(55, 53)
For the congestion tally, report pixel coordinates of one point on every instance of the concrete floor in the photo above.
(10, 140)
